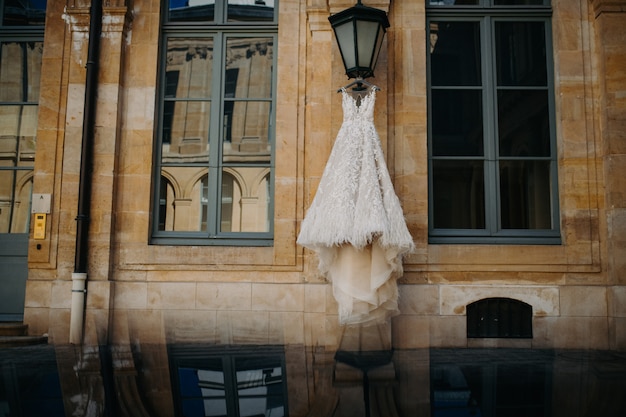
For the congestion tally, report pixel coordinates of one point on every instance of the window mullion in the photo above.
(215, 135)
(551, 106)
(220, 11)
(492, 193)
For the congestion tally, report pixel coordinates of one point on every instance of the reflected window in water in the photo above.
(231, 381)
(491, 384)
(240, 383)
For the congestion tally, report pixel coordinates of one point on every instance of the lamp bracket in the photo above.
(358, 84)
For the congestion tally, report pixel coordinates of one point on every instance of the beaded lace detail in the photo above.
(356, 206)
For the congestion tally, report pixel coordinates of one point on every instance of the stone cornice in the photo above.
(319, 10)
(607, 6)
(339, 5)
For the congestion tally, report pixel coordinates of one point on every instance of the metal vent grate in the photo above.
(499, 317)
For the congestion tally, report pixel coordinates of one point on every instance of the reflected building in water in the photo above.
(206, 380)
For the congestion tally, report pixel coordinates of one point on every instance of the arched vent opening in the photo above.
(499, 317)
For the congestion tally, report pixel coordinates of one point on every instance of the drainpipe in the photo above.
(79, 276)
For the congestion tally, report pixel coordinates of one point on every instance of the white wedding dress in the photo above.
(355, 223)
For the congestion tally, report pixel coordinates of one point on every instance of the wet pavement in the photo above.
(208, 380)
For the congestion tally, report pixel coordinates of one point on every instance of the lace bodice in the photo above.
(358, 110)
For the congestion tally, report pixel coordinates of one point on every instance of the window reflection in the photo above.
(186, 139)
(186, 202)
(252, 57)
(222, 384)
(523, 123)
(455, 45)
(183, 199)
(189, 67)
(495, 2)
(23, 12)
(521, 53)
(191, 10)
(216, 112)
(486, 383)
(20, 72)
(245, 199)
(236, 11)
(15, 191)
(457, 123)
(458, 194)
(525, 190)
(250, 10)
(453, 2)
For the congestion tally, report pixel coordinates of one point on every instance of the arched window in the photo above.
(499, 317)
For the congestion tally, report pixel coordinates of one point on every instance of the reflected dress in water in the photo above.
(355, 223)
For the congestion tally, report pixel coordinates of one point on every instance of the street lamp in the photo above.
(359, 31)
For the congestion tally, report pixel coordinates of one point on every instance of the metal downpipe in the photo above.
(79, 277)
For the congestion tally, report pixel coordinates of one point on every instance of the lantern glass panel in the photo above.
(345, 39)
(367, 32)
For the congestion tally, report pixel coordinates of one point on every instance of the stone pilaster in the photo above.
(609, 24)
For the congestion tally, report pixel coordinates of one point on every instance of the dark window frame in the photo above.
(29, 35)
(220, 29)
(486, 15)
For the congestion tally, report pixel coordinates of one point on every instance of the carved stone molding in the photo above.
(319, 10)
(339, 5)
(607, 6)
(317, 15)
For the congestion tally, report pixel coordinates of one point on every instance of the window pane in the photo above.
(457, 123)
(525, 192)
(521, 53)
(455, 53)
(20, 71)
(18, 129)
(453, 2)
(260, 387)
(185, 132)
(183, 199)
(523, 123)
(24, 12)
(458, 194)
(245, 199)
(521, 2)
(246, 131)
(250, 10)
(191, 11)
(189, 67)
(15, 191)
(213, 391)
(249, 67)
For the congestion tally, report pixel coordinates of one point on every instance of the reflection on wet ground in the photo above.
(209, 380)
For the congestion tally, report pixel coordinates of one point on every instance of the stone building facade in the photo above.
(271, 292)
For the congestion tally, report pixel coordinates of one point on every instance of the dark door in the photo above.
(14, 267)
